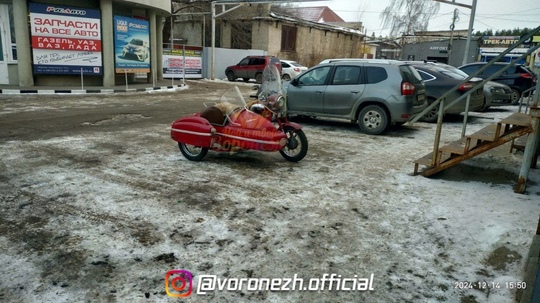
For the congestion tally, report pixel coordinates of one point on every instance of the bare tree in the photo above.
(408, 16)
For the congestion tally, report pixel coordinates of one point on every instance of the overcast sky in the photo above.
(490, 14)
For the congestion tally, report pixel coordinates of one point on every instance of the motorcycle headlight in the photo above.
(281, 102)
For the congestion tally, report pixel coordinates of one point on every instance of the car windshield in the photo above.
(454, 70)
(451, 72)
(136, 42)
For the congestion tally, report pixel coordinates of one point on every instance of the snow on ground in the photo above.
(102, 218)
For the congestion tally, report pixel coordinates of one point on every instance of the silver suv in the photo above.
(373, 93)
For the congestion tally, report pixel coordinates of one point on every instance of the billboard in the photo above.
(173, 62)
(131, 45)
(65, 40)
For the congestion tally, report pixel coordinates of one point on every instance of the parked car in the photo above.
(439, 78)
(291, 69)
(518, 77)
(372, 93)
(137, 49)
(496, 93)
(333, 60)
(251, 67)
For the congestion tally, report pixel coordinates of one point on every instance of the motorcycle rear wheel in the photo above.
(297, 145)
(193, 153)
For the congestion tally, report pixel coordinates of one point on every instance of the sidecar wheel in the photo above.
(297, 145)
(193, 153)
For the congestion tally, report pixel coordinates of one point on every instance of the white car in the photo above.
(291, 69)
(136, 48)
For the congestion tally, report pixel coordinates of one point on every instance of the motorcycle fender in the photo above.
(293, 125)
(193, 131)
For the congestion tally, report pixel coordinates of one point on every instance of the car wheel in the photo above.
(259, 77)
(230, 76)
(432, 115)
(373, 120)
(516, 95)
(193, 153)
(286, 77)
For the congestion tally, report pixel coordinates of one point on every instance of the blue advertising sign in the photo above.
(131, 45)
(65, 40)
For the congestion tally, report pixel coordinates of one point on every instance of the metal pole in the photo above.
(172, 46)
(466, 117)
(530, 151)
(212, 70)
(82, 79)
(531, 147)
(438, 132)
(172, 31)
(469, 33)
(184, 64)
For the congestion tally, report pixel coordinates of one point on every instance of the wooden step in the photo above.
(426, 160)
(459, 147)
(519, 143)
(490, 133)
(520, 119)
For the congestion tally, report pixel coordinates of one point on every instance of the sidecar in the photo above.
(233, 125)
(225, 127)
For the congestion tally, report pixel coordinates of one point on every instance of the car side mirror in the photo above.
(294, 82)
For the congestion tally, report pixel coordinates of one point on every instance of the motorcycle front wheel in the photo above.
(193, 153)
(297, 145)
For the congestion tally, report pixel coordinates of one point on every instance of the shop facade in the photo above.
(100, 42)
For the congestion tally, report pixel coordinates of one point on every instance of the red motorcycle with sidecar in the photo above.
(232, 125)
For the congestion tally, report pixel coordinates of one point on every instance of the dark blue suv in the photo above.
(518, 77)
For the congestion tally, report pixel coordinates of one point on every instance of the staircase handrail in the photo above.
(440, 100)
(496, 59)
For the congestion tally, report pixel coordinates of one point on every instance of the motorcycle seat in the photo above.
(214, 115)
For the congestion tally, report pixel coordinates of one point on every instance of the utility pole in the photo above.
(469, 33)
(452, 27)
(471, 24)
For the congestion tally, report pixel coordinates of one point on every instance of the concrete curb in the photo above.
(85, 91)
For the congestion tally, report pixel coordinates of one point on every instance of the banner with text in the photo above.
(173, 62)
(131, 45)
(65, 40)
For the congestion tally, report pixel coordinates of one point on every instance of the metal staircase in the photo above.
(506, 130)
(489, 137)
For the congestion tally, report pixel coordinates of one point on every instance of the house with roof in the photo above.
(320, 14)
(279, 32)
